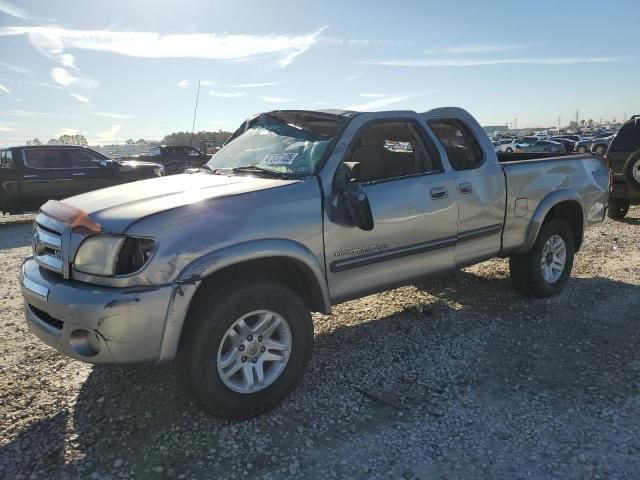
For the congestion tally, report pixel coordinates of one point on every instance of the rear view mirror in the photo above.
(345, 182)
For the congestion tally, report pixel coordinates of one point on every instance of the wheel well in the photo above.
(571, 212)
(286, 270)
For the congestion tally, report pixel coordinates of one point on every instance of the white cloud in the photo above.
(67, 60)
(80, 98)
(320, 103)
(12, 10)
(461, 62)
(112, 115)
(217, 93)
(352, 78)
(4, 89)
(377, 103)
(363, 42)
(475, 48)
(373, 95)
(64, 78)
(256, 85)
(108, 135)
(67, 131)
(6, 128)
(48, 85)
(276, 99)
(183, 83)
(17, 69)
(53, 41)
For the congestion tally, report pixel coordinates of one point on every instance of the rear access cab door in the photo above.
(479, 179)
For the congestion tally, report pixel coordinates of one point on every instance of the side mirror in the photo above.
(356, 199)
(106, 163)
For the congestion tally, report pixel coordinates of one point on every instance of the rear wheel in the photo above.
(245, 349)
(618, 208)
(631, 171)
(545, 270)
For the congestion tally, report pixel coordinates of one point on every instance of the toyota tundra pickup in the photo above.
(220, 268)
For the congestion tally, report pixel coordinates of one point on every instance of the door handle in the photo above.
(79, 174)
(465, 188)
(439, 192)
(30, 176)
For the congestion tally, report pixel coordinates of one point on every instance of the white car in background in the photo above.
(506, 145)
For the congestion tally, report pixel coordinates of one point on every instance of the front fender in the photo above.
(544, 207)
(256, 250)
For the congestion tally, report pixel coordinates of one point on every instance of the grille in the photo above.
(47, 248)
(46, 318)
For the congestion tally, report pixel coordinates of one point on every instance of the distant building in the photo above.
(492, 129)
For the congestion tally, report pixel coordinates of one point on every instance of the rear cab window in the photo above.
(462, 148)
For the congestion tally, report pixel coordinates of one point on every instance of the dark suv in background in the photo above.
(174, 158)
(31, 175)
(624, 155)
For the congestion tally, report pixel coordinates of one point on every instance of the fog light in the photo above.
(85, 343)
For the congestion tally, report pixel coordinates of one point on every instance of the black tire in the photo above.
(211, 317)
(582, 149)
(618, 208)
(632, 163)
(509, 150)
(601, 149)
(526, 269)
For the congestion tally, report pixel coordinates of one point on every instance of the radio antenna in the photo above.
(195, 111)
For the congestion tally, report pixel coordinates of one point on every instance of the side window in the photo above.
(192, 152)
(154, 152)
(389, 150)
(462, 148)
(5, 159)
(84, 159)
(44, 158)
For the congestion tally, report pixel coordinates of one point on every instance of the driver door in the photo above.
(415, 213)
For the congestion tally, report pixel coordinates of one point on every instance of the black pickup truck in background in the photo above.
(32, 175)
(174, 158)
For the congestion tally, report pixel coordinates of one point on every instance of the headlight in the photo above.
(159, 171)
(113, 255)
(97, 255)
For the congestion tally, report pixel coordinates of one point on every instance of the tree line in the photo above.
(175, 138)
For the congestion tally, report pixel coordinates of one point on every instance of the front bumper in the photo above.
(101, 324)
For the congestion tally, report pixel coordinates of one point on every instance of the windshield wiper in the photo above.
(261, 171)
(211, 170)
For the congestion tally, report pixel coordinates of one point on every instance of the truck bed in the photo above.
(529, 183)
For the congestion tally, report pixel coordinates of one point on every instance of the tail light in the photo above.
(607, 162)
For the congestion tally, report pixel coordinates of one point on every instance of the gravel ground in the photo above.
(477, 382)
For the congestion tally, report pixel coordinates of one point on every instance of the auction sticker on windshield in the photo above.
(279, 158)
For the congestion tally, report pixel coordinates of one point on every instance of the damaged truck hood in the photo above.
(115, 208)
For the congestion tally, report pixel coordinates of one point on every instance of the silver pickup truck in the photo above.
(220, 268)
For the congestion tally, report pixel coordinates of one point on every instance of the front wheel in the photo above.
(601, 149)
(545, 269)
(582, 149)
(245, 349)
(618, 208)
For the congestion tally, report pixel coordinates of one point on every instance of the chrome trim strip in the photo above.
(34, 287)
(48, 239)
